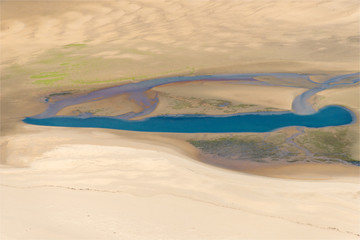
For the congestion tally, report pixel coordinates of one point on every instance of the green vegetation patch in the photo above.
(334, 143)
(237, 148)
(48, 78)
(48, 81)
(225, 106)
(76, 64)
(181, 104)
(59, 94)
(87, 82)
(48, 75)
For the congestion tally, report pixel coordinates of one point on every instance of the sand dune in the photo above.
(203, 33)
(64, 183)
(136, 190)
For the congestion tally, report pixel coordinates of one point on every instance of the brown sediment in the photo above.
(282, 168)
(112, 106)
(308, 171)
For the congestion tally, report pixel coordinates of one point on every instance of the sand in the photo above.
(65, 183)
(345, 96)
(272, 97)
(348, 97)
(170, 35)
(111, 106)
(132, 189)
(122, 41)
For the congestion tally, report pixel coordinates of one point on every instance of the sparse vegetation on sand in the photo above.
(48, 77)
(179, 104)
(326, 145)
(247, 147)
(332, 143)
(76, 65)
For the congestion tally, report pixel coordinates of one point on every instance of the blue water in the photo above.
(249, 122)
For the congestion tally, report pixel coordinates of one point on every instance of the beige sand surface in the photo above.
(277, 97)
(345, 96)
(108, 107)
(83, 184)
(272, 98)
(83, 187)
(169, 35)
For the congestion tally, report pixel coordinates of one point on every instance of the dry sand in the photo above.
(345, 96)
(111, 106)
(274, 97)
(131, 189)
(261, 35)
(92, 184)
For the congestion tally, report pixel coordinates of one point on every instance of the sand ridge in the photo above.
(306, 31)
(153, 181)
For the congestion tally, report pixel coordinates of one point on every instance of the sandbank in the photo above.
(272, 97)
